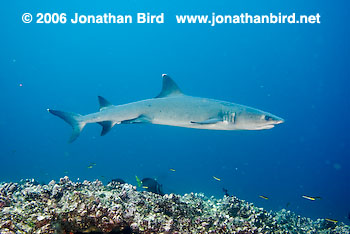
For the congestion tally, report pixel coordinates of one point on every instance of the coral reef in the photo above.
(75, 207)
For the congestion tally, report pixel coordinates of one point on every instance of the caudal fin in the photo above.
(73, 119)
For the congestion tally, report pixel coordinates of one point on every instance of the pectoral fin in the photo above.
(208, 121)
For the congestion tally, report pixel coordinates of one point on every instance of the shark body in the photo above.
(172, 107)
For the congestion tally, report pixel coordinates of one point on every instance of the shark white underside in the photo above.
(172, 107)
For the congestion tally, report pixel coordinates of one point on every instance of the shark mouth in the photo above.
(269, 126)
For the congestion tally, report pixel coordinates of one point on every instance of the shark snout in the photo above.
(273, 119)
(279, 120)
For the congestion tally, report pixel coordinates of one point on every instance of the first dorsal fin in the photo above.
(103, 103)
(170, 88)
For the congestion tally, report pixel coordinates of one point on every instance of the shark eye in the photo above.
(267, 118)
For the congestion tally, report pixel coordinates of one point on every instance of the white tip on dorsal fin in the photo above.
(103, 103)
(169, 88)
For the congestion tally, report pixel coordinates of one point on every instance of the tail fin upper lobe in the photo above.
(72, 119)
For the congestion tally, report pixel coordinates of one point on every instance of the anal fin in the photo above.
(208, 121)
(106, 127)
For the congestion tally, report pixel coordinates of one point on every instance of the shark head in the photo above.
(253, 119)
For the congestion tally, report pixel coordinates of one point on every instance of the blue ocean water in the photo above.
(299, 72)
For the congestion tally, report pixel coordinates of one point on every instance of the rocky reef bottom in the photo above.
(90, 207)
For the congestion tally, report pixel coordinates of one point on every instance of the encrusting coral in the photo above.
(75, 207)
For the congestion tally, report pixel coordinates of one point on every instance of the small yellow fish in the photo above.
(93, 164)
(139, 182)
(145, 187)
(172, 169)
(332, 220)
(311, 198)
(263, 197)
(89, 167)
(65, 172)
(216, 178)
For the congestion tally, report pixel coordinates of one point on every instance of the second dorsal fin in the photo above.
(103, 103)
(169, 88)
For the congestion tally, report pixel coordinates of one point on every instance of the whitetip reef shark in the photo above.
(172, 107)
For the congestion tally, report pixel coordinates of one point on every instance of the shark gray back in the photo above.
(172, 107)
